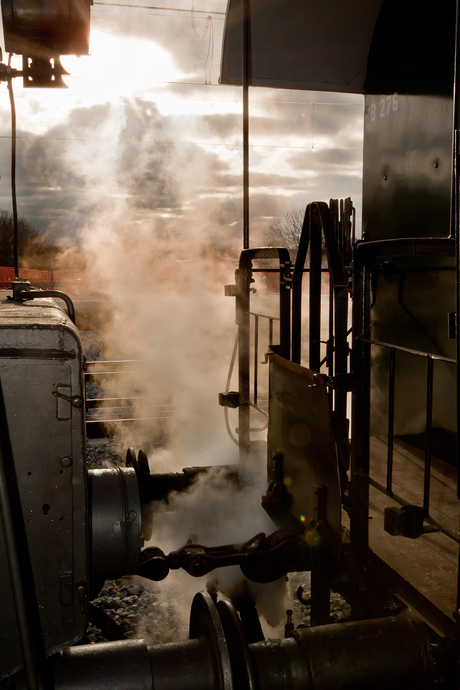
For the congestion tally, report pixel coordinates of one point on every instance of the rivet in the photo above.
(66, 462)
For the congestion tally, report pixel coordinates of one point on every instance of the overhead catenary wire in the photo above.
(178, 10)
(176, 142)
(207, 63)
(195, 30)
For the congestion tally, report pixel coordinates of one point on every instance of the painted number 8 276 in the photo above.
(385, 106)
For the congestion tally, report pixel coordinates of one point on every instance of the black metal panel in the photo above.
(408, 125)
(351, 46)
(407, 166)
(412, 49)
(46, 428)
(320, 45)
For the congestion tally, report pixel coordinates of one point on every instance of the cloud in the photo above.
(170, 154)
(193, 41)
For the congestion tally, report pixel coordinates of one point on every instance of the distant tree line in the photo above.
(285, 230)
(35, 251)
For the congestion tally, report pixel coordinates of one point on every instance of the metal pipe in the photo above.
(375, 653)
(455, 233)
(360, 448)
(315, 293)
(243, 322)
(284, 349)
(28, 295)
(13, 178)
(391, 418)
(341, 368)
(397, 652)
(246, 70)
(297, 277)
(429, 424)
(455, 200)
(243, 287)
(330, 340)
(409, 350)
(256, 354)
(128, 664)
(335, 250)
(320, 566)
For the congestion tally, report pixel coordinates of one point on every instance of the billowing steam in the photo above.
(163, 279)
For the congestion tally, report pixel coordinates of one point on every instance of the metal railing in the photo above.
(255, 347)
(387, 488)
(107, 411)
(243, 318)
(367, 256)
(326, 230)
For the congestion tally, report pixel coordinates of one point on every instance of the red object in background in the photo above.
(59, 278)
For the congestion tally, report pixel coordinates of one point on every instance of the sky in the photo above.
(146, 137)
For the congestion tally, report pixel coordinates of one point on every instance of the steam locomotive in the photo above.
(363, 480)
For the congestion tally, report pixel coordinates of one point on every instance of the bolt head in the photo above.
(198, 568)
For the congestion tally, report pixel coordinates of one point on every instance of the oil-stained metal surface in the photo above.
(300, 429)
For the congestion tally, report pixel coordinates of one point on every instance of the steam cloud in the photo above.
(158, 270)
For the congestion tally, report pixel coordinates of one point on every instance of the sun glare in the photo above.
(120, 66)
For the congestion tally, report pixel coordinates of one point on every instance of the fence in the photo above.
(77, 279)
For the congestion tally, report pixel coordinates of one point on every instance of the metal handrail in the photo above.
(243, 316)
(365, 258)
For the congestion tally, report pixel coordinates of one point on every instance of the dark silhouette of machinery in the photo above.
(353, 502)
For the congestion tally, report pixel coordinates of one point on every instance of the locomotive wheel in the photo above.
(243, 671)
(206, 623)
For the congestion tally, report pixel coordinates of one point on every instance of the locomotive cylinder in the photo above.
(115, 534)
